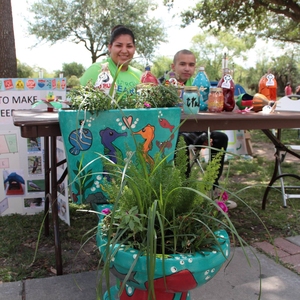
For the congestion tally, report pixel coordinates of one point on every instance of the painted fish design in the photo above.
(166, 144)
(164, 123)
(81, 141)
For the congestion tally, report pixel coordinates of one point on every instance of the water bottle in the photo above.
(202, 82)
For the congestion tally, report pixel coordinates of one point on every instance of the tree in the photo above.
(73, 81)
(90, 22)
(209, 50)
(24, 70)
(8, 60)
(275, 19)
(71, 69)
(161, 64)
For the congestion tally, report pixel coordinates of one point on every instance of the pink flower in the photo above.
(224, 196)
(222, 206)
(105, 211)
(147, 105)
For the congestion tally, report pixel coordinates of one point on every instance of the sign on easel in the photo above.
(22, 159)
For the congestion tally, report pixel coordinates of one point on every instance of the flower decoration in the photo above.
(106, 211)
(51, 101)
(222, 206)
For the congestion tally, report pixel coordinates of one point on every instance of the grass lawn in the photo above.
(247, 179)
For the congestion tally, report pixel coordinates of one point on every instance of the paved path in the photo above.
(240, 280)
(286, 250)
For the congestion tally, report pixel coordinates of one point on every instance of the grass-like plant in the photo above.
(159, 211)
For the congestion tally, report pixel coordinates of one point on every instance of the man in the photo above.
(184, 64)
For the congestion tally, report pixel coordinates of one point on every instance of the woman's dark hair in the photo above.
(120, 30)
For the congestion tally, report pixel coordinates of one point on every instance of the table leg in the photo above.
(280, 147)
(47, 184)
(54, 207)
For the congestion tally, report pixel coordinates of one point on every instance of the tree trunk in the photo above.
(8, 60)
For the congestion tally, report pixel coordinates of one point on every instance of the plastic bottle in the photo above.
(148, 77)
(268, 86)
(227, 84)
(202, 82)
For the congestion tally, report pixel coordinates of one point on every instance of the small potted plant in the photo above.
(163, 234)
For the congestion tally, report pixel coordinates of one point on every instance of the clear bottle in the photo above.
(202, 82)
(227, 85)
(215, 101)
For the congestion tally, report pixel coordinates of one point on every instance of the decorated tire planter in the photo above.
(112, 133)
(174, 276)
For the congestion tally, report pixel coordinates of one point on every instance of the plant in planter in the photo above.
(164, 235)
(97, 122)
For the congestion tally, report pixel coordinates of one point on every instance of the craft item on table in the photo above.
(244, 111)
(172, 80)
(105, 81)
(51, 101)
(257, 102)
(148, 78)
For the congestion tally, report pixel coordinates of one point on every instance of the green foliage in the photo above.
(90, 22)
(70, 69)
(184, 217)
(159, 95)
(161, 64)
(24, 70)
(95, 100)
(73, 81)
(277, 20)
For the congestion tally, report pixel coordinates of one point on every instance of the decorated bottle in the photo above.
(148, 77)
(268, 86)
(227, 85)
(202, 82)
(215, 100)
(191, 100)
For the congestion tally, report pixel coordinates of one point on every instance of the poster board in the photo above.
(22, 188)
(236, 145)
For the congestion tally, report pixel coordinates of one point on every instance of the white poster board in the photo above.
(22, 189)
(236, 144)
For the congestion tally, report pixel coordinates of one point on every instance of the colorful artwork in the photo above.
(112, 134)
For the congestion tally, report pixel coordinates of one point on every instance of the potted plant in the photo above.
(164, 234)
(99, 122)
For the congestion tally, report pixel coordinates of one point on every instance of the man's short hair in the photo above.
(184, 51)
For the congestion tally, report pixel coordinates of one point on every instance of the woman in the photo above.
(288, 89)
(121, 49)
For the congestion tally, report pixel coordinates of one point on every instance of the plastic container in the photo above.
(190, 100)
(202, 82)
(268, 86)
(215, 101)
(227, 85)
(148, 77)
